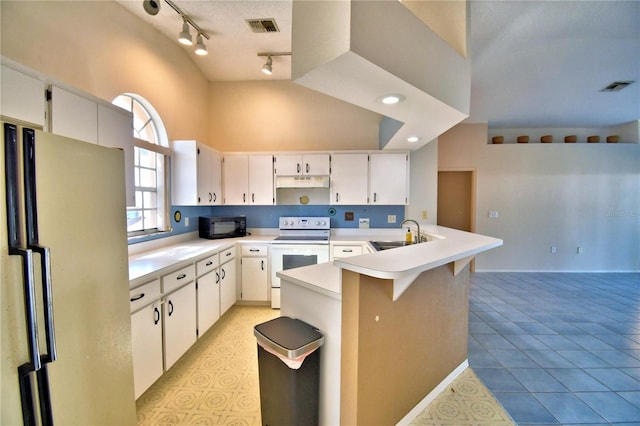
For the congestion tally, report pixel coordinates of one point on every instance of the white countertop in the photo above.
(173, 255)
(323, 278)
(446, 245)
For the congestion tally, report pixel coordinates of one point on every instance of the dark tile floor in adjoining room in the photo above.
(558, 348)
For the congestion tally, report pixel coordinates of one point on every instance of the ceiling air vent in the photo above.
(263, 25)
(616, 86)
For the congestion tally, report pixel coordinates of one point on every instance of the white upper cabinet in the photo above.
(349, 173)
(296, 164)
(248, 179)
(196, 174)
(115, 130)
(388, 178)
(73, 116)
(22, 97)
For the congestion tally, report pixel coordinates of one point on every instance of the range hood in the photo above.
(321, 181)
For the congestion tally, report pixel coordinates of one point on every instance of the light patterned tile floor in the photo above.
(216, 383)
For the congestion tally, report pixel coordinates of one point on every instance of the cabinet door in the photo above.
(216, 177)
(315, 164)
(261, 180)
(203, 172)
(179, 323)
(254, 278)
(22, 97)
(208, 293)
(349, 178)
(388, 178)
(146, 342)
(115, 129)
(227, 286)
(235, 169)
(73, 116)
(288, 165)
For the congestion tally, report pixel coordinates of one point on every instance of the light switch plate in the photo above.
(493, 214)
(391, 218)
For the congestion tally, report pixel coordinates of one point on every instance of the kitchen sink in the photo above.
(386, 245)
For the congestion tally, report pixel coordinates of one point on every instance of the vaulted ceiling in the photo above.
(533, 63)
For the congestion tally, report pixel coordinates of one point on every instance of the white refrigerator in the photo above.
(64, 297)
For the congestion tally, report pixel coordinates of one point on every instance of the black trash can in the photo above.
(289, 371)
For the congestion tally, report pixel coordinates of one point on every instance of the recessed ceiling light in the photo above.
(413, 139)
(391, 99)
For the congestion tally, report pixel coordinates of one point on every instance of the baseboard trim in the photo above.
(431, 396)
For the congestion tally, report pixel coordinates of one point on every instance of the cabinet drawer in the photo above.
(254, 251)
(346, 251)
(206, 265)
(178, 278)
(228, 254)
(144, 295)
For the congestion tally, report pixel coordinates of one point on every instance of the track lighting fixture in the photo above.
(152, 7)
(185, 35)
(201, 49)
(267, 68)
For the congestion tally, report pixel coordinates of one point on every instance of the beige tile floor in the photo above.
(216, 383)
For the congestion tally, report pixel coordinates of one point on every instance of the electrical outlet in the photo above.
(424, 214)
(493, 214)
(391, 218)
(363, 222)
(186, 222)
(579, 250)
(553, 249)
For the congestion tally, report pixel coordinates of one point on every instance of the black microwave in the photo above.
(222, 227)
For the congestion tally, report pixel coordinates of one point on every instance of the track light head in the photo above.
(201, 49)
(185, 35)
(152, 7)
(266, 68)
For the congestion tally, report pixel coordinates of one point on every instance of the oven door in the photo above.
(289, 256)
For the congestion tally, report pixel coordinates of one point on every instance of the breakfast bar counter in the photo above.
(395, 325)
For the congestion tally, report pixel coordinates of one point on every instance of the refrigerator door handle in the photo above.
(31, 213)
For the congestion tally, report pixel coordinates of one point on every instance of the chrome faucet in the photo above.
(418, 237)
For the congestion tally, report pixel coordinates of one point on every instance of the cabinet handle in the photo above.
(253, 197)
(375, 197)
(347, 251)
(228, 254)
(137, 297)
(252, 250)
(262, 265)
(181, 276)
(337, 197)
(298, 167)
(209, 263)
(156, 315)
(210, 197)
(244, 197)
(214, 197)
(217, 278)
(170, 307)
(308, 168)
(223, 274)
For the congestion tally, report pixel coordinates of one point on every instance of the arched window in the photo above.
(151, 148)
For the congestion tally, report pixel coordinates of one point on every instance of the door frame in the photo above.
(472, 210)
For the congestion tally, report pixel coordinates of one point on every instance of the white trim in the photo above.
(443, 385)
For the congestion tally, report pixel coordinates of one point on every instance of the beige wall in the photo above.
(102, 49)
(562, 195)
(281, 116)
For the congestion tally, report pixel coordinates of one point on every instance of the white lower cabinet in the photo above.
(254, 273)
(345, 250)
(208, 288)
(179, 313)
(146, 335)
(227, 280)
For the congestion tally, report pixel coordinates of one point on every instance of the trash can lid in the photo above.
(289, 337)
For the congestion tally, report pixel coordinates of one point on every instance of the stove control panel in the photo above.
(304, 223)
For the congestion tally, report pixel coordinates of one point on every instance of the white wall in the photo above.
(423, 184)
(562, 195)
